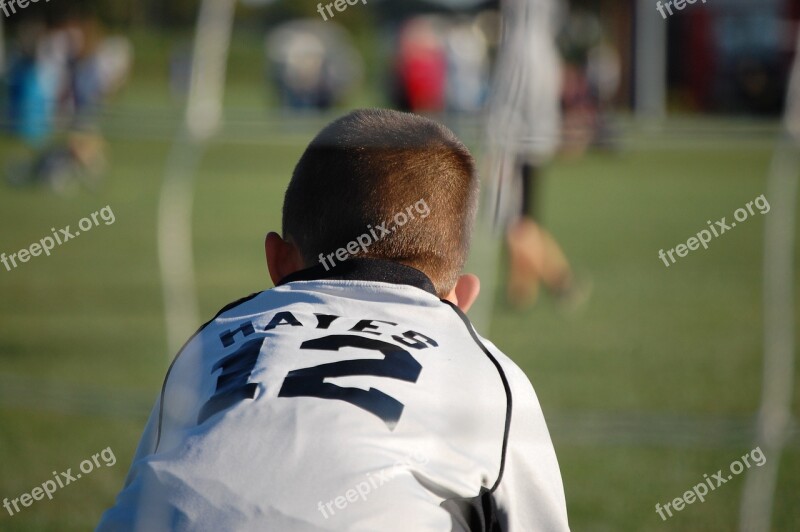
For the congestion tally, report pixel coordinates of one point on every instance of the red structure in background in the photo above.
(729, 56)
(700, 63)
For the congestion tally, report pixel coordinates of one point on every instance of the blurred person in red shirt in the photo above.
(421, 67)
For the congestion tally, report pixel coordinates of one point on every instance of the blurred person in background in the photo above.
(75, 68)
(31, 92)
(524, 132)
(467, 66)
(314, 64)
(421, 66)
(579, 111)
(592, 74)
(604, 72)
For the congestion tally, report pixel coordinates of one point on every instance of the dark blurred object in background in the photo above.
(732, 56)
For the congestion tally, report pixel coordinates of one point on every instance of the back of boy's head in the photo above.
(368, 166)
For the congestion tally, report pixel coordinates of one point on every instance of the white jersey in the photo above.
(353, 399)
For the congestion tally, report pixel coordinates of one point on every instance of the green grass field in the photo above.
(82, 339)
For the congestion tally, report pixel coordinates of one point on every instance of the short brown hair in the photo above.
(363, 169)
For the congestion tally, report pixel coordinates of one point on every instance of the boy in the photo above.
(354, 395)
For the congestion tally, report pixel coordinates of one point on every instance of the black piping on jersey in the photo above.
(377, 270)
(474, 335)
(226, 308)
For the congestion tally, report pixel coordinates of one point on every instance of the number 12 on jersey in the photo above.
(232, 385)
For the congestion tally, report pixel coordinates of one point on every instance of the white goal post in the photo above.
(203, 118)
(775, 419)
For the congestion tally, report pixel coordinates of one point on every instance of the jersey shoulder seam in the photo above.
(506, 386)
(226, 308)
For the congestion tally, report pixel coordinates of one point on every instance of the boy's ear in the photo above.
(465, 292)
(283, 257)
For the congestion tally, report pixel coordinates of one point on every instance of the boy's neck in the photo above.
(356, 269)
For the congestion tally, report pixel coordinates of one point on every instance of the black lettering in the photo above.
(324, 320)
(232, 385)
(245, 328)
(283, 318)
(363, 325)
(415, 342)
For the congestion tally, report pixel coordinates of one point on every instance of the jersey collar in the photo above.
(384, 271)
